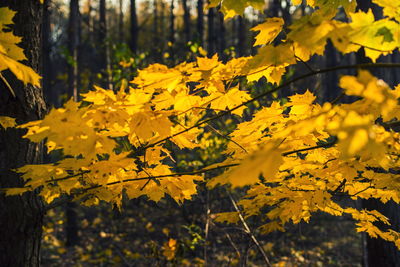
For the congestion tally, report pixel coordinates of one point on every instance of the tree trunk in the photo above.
(121, 22)
(221, 36)
(73, 43)
(200, 21)
(331, 79)
(171, 38)
(186, 21)
(104, 47)
(134, 28)
(21, 216)
(50, 95)
(378, 251)
(156, 38)
(71, 223)
(211, 40)
(241, 44)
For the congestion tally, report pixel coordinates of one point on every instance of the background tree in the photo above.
(134, 29)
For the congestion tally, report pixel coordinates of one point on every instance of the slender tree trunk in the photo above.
(134, 28)
(50, 94)
(211, 39)
(71, 222)
(172, 30)
(71, 225)
(90, 23)
(331, 79)
(105, 51)
(156, 37)
(200, 21)
(186, 21)
(21, 216)
(241, 32)
(73, 43)
(121, 22)
(221, 35)
(275, 7)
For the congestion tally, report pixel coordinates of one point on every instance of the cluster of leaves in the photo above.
(11, 54)
(295, 156)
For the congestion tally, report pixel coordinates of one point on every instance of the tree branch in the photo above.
(301, 77)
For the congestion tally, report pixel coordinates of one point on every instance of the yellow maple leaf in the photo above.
(229, 100)
(7, 122)
(228, 217)
(270, 62)
(390, 8)
(10, 53)
(16, 191)
(268, 30)
(266, 161)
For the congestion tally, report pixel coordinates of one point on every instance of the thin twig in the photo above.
(249, 232)
(325, 145)
(7, 85)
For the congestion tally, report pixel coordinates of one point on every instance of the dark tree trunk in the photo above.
(186, 21)
(71, 225)
(134, 28)
(378, 251)
(104, 47)
(90, 23)
(121, 22)
(331, 81)
(156, 37)
(73, 44)
(73, 91)
(172, 30)
(21, 216)
(50, 95)
(274, 8)
(211, 39)
(241, 32)
(221, 35)
(200, 21)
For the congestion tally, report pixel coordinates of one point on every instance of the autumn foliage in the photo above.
(297, 156)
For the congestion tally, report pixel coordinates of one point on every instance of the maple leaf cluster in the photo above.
(295, 156)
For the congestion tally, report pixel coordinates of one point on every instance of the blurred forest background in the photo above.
(104, 43)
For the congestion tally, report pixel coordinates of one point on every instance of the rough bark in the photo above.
(21, 216)
(134, 28)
